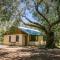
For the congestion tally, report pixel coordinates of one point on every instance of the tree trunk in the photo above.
(50, 43)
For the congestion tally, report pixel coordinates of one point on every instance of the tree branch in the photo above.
(34, 24)
(58, 21)
(36, 7)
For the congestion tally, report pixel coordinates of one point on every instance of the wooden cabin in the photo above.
(23, 37)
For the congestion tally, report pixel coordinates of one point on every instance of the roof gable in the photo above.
(15, 30)
(31, 31)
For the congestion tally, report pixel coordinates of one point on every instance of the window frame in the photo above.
(9, 38)
(17, 38)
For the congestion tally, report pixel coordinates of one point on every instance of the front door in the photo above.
(26, 41)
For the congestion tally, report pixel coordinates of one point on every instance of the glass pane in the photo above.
(33, 38)
(17, 38)
(9, 38)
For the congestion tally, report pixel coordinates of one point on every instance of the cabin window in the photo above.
(17, 38)
(32, 38)
(9, 38)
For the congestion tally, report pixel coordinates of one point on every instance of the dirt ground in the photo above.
(24, 53)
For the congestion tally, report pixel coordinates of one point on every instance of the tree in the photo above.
(8, 15)
(8, 12)
(47, 12)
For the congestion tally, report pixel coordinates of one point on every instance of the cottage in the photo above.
(23, 37)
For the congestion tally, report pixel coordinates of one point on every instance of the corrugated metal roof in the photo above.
(31, 31)
(24, 30)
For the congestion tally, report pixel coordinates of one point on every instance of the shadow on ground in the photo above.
(29, 54)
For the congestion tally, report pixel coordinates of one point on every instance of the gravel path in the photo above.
(29, 54)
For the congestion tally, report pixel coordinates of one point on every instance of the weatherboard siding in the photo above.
(6, 41)
(37, 42)
(40, 39)
(13, 39)
(22, 41)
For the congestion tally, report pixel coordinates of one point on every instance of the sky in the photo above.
(27, 11)
(28, 14)
(21, 7)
